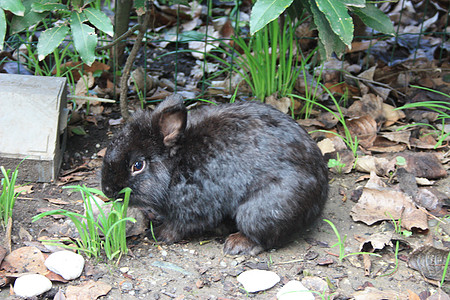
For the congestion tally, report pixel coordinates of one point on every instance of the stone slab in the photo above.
(33, 119)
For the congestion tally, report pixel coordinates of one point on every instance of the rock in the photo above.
(258, 280)
(31, 285)
(294, 290)
(65, 263)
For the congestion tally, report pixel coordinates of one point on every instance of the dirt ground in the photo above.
(194, 270)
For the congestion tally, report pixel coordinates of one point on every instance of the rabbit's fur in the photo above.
(246, 162)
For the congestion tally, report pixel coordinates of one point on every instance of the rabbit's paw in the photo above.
(237, 243)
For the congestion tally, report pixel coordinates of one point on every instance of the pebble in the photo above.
(258, 280)
(294, 290)
(127, 286)
(65, 263)
(124, 269)
(31, 285)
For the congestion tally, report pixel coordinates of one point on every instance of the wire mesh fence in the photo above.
(185, 45)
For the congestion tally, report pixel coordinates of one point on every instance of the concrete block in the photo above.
(33, 119)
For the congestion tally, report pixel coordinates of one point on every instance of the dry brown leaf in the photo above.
(380, 165)
(377, 241)
(365, 128)
(87, 291)
(26, 259)
(24, 189)
(379, 202)
(382, 144)
(326, 146)
(371, 293)
(82, 87)
(423, 164)
(282, 104)
(398, 136)
(391, 115)
(57, 201)
(429, 261)
(370, 104)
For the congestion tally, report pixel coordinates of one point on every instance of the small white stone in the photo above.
(294, 290)
(124, 269)
(31, 285)
(258, 280)
(65, 263)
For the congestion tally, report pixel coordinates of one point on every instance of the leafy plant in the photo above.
(331, 18)
(269, 63)
(341, 244)
(110, 225)
(9, 195)
(336, 164)
(351, 142)
(399, 162)
(441, 107)
(73, 17)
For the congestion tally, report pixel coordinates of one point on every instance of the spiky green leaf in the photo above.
(50, 39)
(265, 11)
(100, 20)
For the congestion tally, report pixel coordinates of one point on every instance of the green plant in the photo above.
(341, 244)
(331, 18)
(399, 162)
(336, 164)
(269, 63)
(438, 106)
(351, 142)
(73, 17)
(444, 273)
(110, 225)
(9, 195)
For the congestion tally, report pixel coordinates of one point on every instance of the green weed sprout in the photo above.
(438, 106)
(9, 195)
(110, 225)
(351, 142)
(341, 244)
(337, 164)
(445, 269)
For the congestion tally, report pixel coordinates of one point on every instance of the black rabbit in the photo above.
(245, 162)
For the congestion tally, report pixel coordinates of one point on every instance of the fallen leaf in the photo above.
(57, 201)
(397, 136)
(391, 115)
(429, 261)
(423, 164)
(379, 202)
(371, 293)
(380, 165)
(382, 144)
(88, 290)
(377, 241)
(365, 128)
(26, 259)
(23, 189)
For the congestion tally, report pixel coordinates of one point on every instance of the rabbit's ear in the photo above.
(171, 116)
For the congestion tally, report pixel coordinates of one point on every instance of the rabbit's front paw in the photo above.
(237, 243)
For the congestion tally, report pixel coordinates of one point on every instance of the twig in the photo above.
(91, 98)
(120, 38)
(374, 82)
(128, 65)
(288, 262)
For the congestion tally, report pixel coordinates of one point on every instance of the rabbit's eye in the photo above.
(137, 167)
